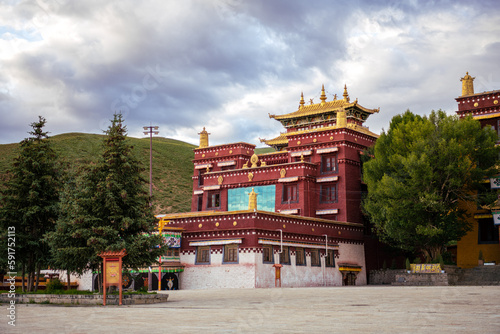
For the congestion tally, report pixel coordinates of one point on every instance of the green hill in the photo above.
(172, 164)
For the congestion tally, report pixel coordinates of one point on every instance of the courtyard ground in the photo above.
(364, 309)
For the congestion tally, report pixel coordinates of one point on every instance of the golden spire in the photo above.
(467, 84)
(302, 102)
(203, 138)
(252, 200)
(323, 95)
(341, 119)
(346, 95)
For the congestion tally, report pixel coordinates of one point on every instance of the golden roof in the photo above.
(319, 108)
(280, 140)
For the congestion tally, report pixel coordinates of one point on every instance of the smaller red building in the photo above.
(298, 206)
(484, 236)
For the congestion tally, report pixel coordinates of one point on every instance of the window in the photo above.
(488, 232)
(315, 261)
(200, 177)
(213, 200)
(330, 259)
(203, 255)
(329, 163)
(300, 259)
(231, 253)
(328, 193)
(285, 256)
(290, 193)
(267, 254)
(199, 206)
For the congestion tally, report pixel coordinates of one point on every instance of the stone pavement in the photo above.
(365, 309)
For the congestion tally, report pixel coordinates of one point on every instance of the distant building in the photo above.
(298, 207)
(484, 235)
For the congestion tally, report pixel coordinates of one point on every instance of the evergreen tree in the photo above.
(107, 210)
(29, 201)
(422, 169)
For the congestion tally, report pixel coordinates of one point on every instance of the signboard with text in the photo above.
(425, 268)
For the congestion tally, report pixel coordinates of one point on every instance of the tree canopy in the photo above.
(420, 171)
(106, 209)
(29, 201)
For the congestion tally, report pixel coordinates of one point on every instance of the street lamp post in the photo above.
(151, 130)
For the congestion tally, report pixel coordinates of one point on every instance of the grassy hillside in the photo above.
(172, 164)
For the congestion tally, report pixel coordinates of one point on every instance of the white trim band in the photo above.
(215, 242)
(327, 212)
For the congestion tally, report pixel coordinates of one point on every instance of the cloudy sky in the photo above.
(226, 64)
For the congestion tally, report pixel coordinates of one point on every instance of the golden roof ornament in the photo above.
(252, 200)
(302, 102)
(346, 95)
(254, 159)
(323, 95)
(203, 138)
(467, 84)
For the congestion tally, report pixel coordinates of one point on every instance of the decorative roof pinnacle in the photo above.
(346, 95)
(302, 102)
(203, 138)
(323, 95)
(467, 84)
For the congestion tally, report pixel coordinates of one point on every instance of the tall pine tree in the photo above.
(29, 201)
(107, 210)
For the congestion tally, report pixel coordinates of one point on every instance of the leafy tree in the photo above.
(107, 210)
(421, 169)
(29, 201)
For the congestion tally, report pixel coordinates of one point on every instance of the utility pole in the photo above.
(151, 130)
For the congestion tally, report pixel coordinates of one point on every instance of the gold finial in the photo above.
(301, 157)
(323, 95)
(341, 119)
(467, 84)
(346, 95)
(302, 102)
(203, 138)
(252, 200)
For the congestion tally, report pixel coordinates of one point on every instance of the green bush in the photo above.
(408, 266)
(54, 285)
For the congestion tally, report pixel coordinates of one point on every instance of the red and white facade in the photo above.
(298, 206)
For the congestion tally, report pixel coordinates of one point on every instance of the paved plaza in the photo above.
(365, 309)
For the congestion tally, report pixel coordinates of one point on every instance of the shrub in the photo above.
(408, 266)
(54, 285)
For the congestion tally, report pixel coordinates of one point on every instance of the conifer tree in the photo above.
(29, 201)
(107, 210)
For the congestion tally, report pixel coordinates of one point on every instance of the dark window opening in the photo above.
(328, 193)
(329, 163)
(290, 193)
(213, 200)
(488, 232)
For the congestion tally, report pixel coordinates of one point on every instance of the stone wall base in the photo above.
(85, 299)
(414, 279)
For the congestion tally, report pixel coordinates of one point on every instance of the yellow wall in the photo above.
(468, 247)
